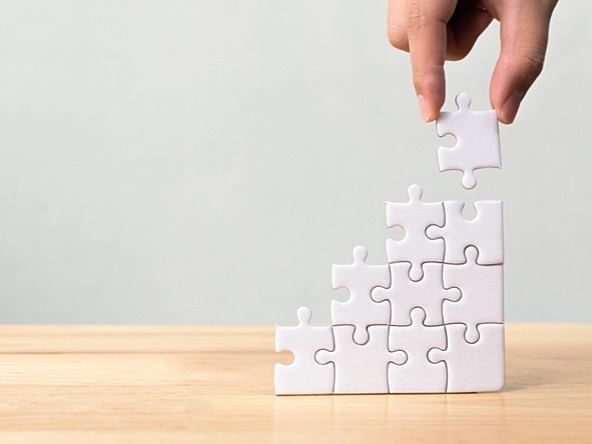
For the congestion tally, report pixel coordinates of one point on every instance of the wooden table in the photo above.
(105, 384)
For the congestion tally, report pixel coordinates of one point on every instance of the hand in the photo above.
(433, 31)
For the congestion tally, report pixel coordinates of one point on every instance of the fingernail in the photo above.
(423, 107)
(510, 108)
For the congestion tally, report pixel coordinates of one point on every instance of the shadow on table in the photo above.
(530, 373)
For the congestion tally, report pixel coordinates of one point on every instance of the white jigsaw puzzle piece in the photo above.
(360, 310)
(414, 217)
(361, 368)
(482, 294)
(305, 376)
(485, 232)
(477, 367)
(477, 137)
(418, 374)
(404, 294)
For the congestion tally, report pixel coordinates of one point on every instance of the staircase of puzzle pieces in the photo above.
(429, 321)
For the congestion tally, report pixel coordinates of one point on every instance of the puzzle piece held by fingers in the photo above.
(477, 140)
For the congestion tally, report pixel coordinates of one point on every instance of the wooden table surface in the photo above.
(132, 384)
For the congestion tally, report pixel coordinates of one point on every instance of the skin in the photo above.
(433, 31)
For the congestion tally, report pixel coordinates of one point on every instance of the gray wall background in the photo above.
(207, 162)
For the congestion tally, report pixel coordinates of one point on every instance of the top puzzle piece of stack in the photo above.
(429, 321)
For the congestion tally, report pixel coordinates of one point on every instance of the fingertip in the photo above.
(507, 109)
(424, 108)
(433, 116)
(502, 119)
(429, 111)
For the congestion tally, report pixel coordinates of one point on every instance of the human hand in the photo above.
(435, 31)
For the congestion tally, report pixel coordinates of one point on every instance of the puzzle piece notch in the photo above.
(361, 368)
(477, 367)
(414, 217)
(404, 294)
(305, 375)
(360, 310)
(485, 232)
(477, 137)
(482, 294)
(418, 374)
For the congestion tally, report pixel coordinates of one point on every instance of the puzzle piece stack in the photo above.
(429, 321)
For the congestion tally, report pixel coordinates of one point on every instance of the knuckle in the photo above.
(429, 81)
(424, 78)
(530, 66)
(420, 74)
(534, 64)
(416, 14)
(427, 71)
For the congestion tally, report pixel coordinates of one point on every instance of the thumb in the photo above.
(524, 36)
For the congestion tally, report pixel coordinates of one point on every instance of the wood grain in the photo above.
(135, 384)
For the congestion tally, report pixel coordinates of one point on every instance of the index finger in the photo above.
(427, 30)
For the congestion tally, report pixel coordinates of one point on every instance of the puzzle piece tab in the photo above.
(415, 216)
(361, 368)
(477, 137)
(305, 375)
(360, 310)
